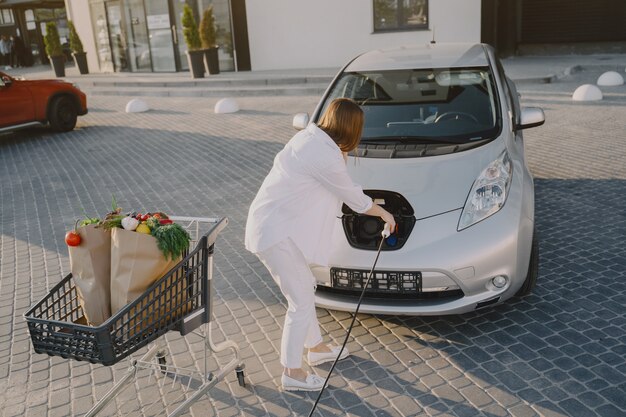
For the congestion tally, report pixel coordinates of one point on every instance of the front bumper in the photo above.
(459, 265)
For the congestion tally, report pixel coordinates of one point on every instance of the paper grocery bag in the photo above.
(136, 263)
(90, 263)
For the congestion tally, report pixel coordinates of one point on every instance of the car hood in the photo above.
(36, 83)
(432, 185)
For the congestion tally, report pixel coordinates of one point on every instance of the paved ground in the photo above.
(558, 352)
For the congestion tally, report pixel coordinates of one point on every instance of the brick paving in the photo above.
(558, 352)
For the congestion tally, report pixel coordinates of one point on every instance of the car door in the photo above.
(16, 102)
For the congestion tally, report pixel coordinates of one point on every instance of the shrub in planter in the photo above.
(79, 55)
(195, 54)
(208, 36)
(54, 50)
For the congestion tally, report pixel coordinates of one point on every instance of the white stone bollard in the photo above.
(610, 79)
(587, 92)
(137, 106)
(226, 105)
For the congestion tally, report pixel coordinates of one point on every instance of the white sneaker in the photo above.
(318, 358)
(312, 383)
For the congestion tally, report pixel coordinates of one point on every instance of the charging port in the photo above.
(363, 232)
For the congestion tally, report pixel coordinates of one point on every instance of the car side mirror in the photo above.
(531, 117)
(300, 121)
(4, 81)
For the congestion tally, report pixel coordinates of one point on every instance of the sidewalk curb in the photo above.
(550, 78)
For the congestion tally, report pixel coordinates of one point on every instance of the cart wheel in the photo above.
(162, 362)
(240, 375)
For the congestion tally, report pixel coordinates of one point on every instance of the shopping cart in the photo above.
(181, 301)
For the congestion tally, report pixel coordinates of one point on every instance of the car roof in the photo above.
(437, 55)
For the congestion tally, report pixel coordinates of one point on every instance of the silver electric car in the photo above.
(442, 149)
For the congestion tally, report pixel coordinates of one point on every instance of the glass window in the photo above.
(395, 15)
(221, 12)
(6, 18)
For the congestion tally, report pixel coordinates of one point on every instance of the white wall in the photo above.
(78, 12)
(327, 33)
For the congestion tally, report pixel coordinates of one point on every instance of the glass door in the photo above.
(138, 42)
(117, 36)
(160, 37)
(99, 22)
(177, 8)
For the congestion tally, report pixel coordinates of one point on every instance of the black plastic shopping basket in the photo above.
(179, 301)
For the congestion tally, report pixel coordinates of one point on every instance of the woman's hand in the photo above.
(387, 217)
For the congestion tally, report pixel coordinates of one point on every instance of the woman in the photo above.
(290, 223)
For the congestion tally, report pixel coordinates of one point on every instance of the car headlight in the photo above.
(488, 193)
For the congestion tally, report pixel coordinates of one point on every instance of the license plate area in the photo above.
(389, 282)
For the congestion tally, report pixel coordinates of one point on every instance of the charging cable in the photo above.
(385, 234)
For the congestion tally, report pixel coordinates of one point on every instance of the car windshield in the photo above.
(442, 105)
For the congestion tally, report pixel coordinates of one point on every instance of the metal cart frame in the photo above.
(181, 300)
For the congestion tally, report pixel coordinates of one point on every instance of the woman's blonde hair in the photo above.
(343, 122)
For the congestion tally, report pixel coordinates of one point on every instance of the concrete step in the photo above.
(307, 89)
(209, 82)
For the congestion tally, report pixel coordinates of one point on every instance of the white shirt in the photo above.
(301, 197)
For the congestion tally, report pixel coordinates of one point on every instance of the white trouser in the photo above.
(294, 277)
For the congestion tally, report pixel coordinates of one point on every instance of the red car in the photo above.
(26, 103)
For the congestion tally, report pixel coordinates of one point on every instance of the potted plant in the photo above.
(54, 50)
(195, 54)
(79, 55)
(208, 37)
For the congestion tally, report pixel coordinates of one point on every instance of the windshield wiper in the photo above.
(385, 140)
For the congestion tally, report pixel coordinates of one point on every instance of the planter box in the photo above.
(211, 61)
(58, 65)
(80, 59)
(196, 63)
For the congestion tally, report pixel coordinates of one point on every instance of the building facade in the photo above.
(561, 26)
(146, 35)
(327, 33)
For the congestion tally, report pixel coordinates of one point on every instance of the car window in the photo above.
(447, 105)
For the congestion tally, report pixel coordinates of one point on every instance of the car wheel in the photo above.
(533, 269)
(63, 114)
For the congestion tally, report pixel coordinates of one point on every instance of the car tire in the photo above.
(63, 114)
(533, 269)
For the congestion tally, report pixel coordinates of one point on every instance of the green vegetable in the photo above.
(111, 221)
(153, 223)
(172, 240)
(114, 207)
(89, 220)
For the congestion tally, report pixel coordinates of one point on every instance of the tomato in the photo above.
(157, 215)
(72, 238)
(165, 221)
